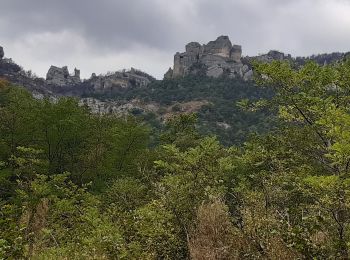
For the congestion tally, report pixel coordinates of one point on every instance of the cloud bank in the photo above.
(108, 35)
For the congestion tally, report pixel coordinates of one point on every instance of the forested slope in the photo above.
(81, 186)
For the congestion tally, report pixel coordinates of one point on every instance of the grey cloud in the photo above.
(106, 23)
(302, 27)
(146, 33)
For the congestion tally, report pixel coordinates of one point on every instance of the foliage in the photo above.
(222, 95)
(79, 186)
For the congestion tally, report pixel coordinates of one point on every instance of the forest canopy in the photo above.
(80, 186)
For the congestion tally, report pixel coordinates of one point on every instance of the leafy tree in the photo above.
(181, 131)
(280, 195)
(311, 150)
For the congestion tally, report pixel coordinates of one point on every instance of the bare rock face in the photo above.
(194, 48)
(168, 74)
(77, 73)
(217, 57)
(221, 47)
(114, 81)
(61, 77)
(220, 57)
(215, 71)
(1, 52)
(180, 61)
(236, 53)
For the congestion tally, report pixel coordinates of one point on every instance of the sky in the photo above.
(108, 35)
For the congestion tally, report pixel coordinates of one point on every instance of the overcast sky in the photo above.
(108, 35)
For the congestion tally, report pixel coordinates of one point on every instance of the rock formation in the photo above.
(271, 56)
(114, 81)
(215, 58)
(168, 74)
(61, 77)
(60, 81)
(1, 52)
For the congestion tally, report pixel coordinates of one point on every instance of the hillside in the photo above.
(78, 185)
(209, 79)
(175, 130)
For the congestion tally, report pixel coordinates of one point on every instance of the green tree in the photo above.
(181, 131)
(309, 152)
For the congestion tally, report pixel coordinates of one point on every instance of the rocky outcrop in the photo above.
(221, 47)
(123, 107)
(61, 77)
(216, 58)
(271, 56)
(168, 74)
(1, 52)
(97, 106)
(59, 82)
(107, 84)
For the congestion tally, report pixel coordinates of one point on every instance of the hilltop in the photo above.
(218, 58)
(208, 79)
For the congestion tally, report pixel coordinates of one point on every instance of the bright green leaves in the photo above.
(192, 176)
(308, 159)
(158, 233)
(336, 122)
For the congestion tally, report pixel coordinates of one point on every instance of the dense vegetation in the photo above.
(80, 186)
(221, 94)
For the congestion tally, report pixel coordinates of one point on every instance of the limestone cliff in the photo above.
(215, 58)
